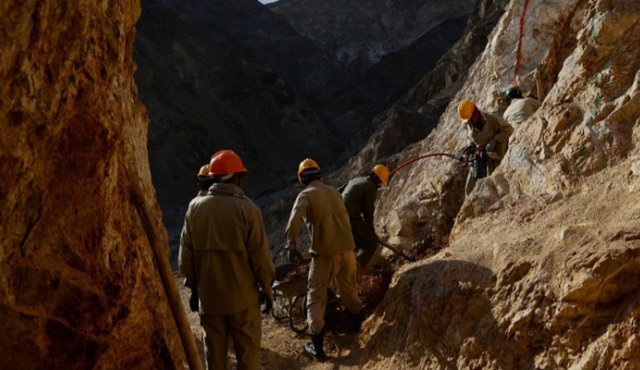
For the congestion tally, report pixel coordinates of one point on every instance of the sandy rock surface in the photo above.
(543, 267)
(78, 285)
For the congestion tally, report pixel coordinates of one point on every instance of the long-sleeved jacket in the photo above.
(519, 110)
(224, 250)
(322, 209)
(495, 127)
(359, 198)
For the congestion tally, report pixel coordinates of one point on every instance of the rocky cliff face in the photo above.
(78, 287)
(543, 267)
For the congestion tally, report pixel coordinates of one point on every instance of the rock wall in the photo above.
(543, 267)
(78, 285)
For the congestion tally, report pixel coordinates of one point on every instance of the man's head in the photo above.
(226, 166)
(308, 170)
(512, 93)
(380, 174)
(469, 113)
(205, 180)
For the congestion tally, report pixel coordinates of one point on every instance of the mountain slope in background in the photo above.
(359, 33)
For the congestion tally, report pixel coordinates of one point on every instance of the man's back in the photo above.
(323, 210)
(359, 198)
(225, 234)
(519, 110)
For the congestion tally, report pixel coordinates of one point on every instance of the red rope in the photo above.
(405, 164)
(516, 66)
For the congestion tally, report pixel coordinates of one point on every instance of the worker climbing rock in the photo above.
(332, 257)
(489, 136)
(520, 108)
(359, 198)
(225, 256)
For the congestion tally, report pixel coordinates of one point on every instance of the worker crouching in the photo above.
(359, 198)
(225, 257)
(332, 251)
(489, 136)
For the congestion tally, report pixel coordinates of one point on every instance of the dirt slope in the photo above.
(78, 285)
(543, 268)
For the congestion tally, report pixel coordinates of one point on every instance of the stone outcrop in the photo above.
(543, 267)
(78, 285)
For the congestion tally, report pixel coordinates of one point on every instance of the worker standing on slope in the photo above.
(359, 198)
(225, 256)
(204, 180)
(489, 135)
(332, 257)
(519, 108)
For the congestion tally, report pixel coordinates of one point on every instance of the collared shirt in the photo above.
(519, 110)
(224, 249)
(359, 198)
(321, 207)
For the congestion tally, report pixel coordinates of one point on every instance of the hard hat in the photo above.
(204, 171)
(307, 165)
(226, 162)
(465, 110)
(382, 172)
(512, 93)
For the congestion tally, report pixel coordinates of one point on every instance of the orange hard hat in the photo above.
(465, 110)
(306, 165)
(225, 162)
(204, 171)
(382, 172)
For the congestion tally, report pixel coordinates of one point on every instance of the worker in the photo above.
(519, 108)
(332, 256)
(225, 256)
(489, 136)
(204, 179)
(359, 198)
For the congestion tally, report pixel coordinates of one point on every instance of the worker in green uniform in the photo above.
(359, 198)
(225, 257)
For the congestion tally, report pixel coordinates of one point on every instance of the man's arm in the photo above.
(368, 204)
(298, 212)
(186, 255)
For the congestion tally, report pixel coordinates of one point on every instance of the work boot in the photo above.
(314, 348)
(356, 320)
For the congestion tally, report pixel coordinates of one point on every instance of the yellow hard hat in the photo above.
(465, 110)
(382, 172)
(307, 164)
(204, 171)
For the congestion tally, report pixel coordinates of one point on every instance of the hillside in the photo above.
(543, 264)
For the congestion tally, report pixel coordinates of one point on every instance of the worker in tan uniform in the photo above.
(321, 207)
(519, 108)
(489, 136)
(359, 198)
(225, 256)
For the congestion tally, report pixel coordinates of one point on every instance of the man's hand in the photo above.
(267, 301)
(194, 302)
(294, 256)
(469, 150)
